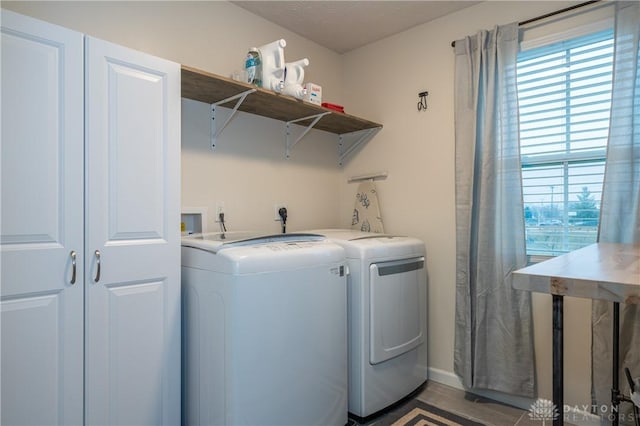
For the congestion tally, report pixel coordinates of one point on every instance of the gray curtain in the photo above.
(620, 211)
(493, 322)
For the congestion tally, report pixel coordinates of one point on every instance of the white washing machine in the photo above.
(264, 330)
(387, 299)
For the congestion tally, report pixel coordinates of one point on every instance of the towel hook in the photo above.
(422, 103)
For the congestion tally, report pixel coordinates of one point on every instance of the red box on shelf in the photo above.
(334, 107)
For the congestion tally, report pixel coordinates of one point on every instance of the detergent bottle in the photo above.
(293, 78)
(272, 57)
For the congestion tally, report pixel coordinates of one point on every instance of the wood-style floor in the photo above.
(464, 404)
(474, 407)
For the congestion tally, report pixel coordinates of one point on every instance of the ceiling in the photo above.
(346, 25)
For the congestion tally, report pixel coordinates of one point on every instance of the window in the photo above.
(564, 95)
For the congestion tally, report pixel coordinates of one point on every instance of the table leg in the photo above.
(615, 363)
(558, 367)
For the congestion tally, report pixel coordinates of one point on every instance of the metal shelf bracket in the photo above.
(215, 130)
(360, 136)
(289, 143)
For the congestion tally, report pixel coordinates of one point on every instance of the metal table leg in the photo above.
(615, 361)
(558, 367)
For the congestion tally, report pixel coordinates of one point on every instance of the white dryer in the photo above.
(264, 330)
(387, 299)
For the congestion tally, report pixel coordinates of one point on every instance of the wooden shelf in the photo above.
(210, 88)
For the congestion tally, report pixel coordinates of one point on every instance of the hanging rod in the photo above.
(370, 176)
(550, 14)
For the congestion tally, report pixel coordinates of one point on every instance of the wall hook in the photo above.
(422, 103)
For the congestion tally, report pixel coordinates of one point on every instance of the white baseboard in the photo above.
(445, 378)
(451, 379)
(573, 415)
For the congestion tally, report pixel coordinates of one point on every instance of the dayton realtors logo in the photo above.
(544, 410)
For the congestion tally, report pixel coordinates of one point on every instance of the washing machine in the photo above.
(264, 330)
(387, 314)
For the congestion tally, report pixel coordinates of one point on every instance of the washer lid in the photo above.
(368, 245)
(349, 234)
(215, 241)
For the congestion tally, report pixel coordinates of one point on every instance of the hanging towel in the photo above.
(366, 211)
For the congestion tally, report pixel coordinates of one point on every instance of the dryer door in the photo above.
(397, 313)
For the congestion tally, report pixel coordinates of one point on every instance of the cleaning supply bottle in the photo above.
(258, 57)
(253, 66)
(250, 67)
(293, 77)
(273, 65)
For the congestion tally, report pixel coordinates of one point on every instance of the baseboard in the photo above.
(445, 378)
(573, 415)
(451, 379)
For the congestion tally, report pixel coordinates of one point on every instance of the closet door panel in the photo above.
(41, 306)
(32, 380)
(135, 392)
(136, 158)
(133, 309)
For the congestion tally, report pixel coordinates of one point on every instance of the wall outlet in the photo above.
(219, 209)
(276, 208)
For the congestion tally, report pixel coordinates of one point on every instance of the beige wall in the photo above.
(379, 82)
(248, 172)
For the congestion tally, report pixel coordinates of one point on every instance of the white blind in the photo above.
(564, 95)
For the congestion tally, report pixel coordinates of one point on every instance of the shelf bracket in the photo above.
(361, 137)
(215, 130)
(290, 144)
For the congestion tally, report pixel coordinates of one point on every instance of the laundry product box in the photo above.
(314, 93)
(334, 107)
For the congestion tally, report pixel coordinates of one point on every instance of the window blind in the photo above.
(564, 95)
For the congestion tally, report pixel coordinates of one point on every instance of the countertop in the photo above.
(603, 271)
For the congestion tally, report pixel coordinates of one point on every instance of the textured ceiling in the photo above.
(346, 25)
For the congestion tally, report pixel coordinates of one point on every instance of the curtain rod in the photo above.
(550, 14)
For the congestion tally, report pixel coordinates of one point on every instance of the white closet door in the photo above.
(132, 215)
(42, 223)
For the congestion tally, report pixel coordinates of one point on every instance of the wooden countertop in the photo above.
(601, 271)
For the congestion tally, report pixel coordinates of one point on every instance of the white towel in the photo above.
(366, 211)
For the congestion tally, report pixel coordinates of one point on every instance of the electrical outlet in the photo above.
(219, 209)
(276, 207)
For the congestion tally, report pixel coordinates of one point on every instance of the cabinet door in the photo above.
(132, 220)
(42, 223)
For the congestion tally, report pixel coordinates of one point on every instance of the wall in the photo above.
(248, 171)
(381, 82)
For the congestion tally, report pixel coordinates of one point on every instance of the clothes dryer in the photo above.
(387, 300)
(264, 330)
